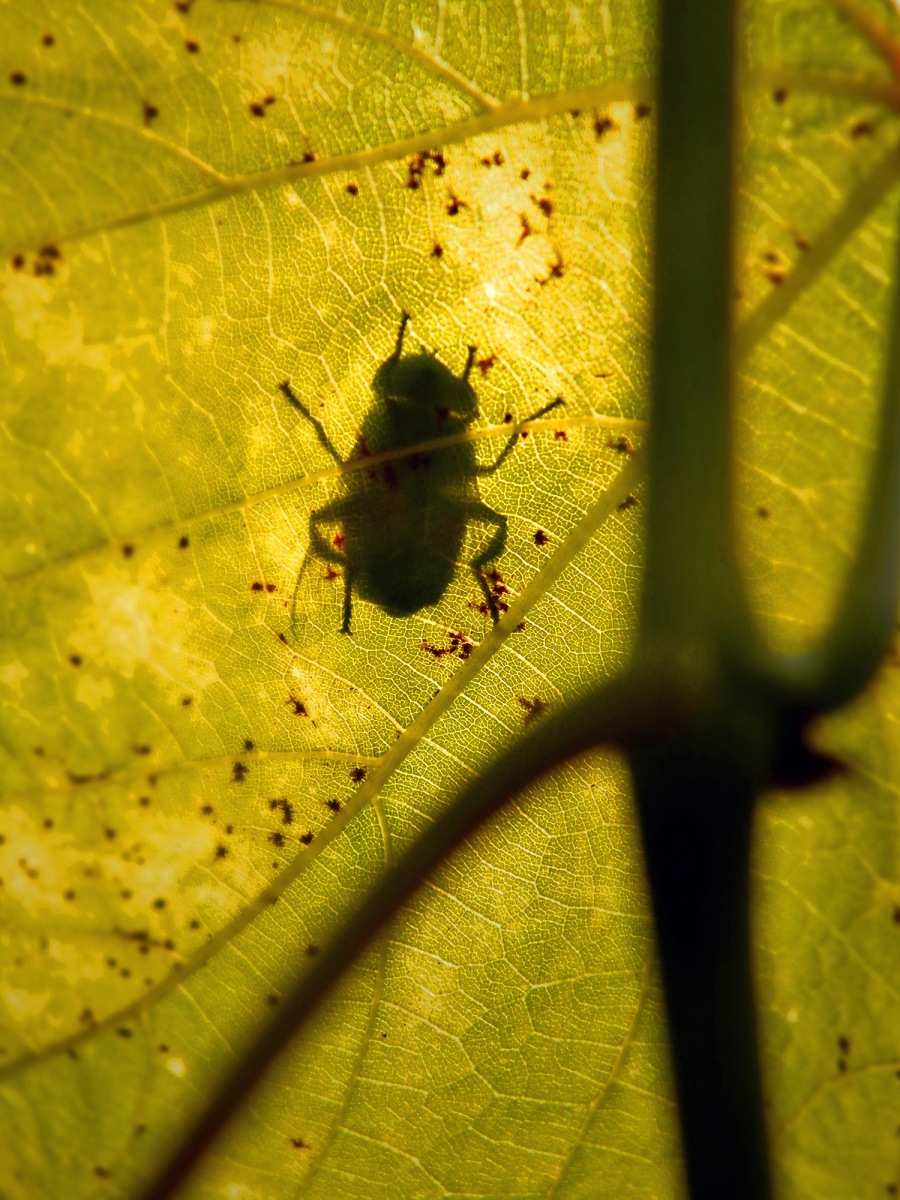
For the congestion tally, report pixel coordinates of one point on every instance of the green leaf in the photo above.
(204, 200)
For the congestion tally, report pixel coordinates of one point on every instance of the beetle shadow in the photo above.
(396, 531)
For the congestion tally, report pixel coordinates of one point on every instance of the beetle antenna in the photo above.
(469, 362)
(404, 321)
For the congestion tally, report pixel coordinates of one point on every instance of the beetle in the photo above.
(402, 522)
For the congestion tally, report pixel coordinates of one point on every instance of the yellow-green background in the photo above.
(162, 273)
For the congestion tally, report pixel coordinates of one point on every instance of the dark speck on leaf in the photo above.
(358, 774)
(249, 745)
(455, 205)
(159, 903)
(287, 809)
(780, 95)
(75, 660)
(221, 851)
(309, 157)
(48, 40)
(862, 129)
(207, 810)
(762, 512)
(124, 1032)
(49, 251)
(18, 78)
(238, 772)
(102, 1172)
(183, 542)
(144, 802)
(352, 189)
(299, 1143)
(621, 444)
(485, 364)
(307, 837)
(844, 1045)
(540, 538)
(507, 417)
(334, 805)
(128, 550)
(545, 205)
(533, 708)
(276, 838)
(312, 951)
(272, 1000)
(641, 110)
(896, 914)
(186, 701)
(258, 110)
(524, 173)
(603, 125)
(191, 46)
(297, 707)
(629, 502)
(525, 230)
(18, 262)
(150, 111)
(437, 251)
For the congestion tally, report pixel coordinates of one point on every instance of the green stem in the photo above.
(690, 583)
(861, 633)
(696, 808)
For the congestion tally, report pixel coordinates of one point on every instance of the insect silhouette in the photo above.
(402, 522)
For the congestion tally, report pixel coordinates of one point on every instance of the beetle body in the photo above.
(401, 523)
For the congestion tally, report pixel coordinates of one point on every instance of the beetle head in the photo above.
(421, 383)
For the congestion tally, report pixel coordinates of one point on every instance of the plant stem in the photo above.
(690, 582)
(696, 810)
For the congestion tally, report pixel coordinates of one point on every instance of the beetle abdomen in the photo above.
(407, 577)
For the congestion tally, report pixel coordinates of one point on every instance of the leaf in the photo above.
(203, 201)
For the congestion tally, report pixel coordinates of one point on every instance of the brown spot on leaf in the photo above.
(533, 708)
(602, 125)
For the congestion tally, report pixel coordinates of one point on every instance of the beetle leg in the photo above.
(289, 394)
(325, 551)
(470, 360)
(477, 511)
(490, 468)
(404, 321)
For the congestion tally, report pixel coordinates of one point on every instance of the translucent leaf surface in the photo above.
(201, 773)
